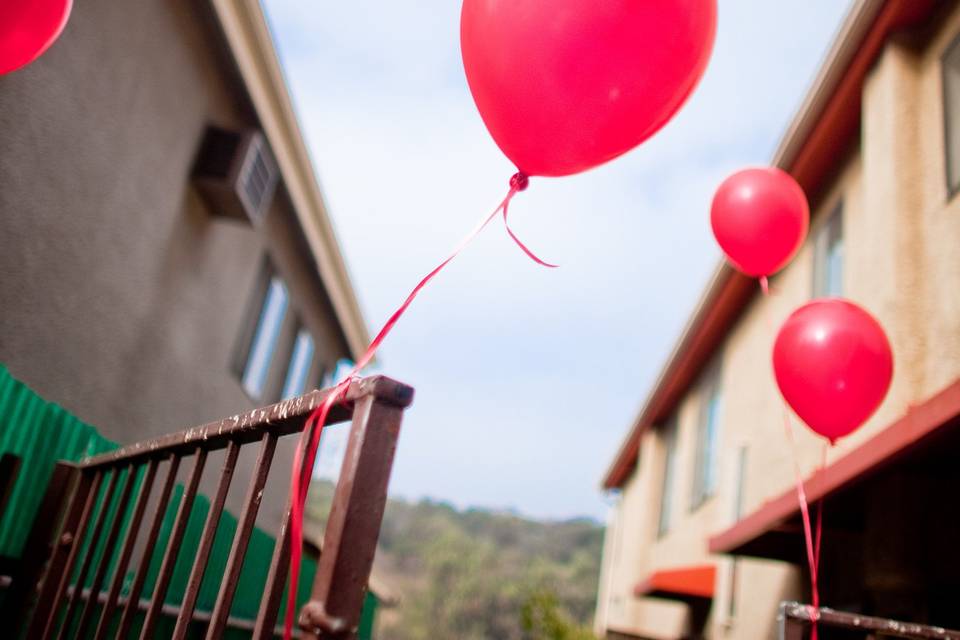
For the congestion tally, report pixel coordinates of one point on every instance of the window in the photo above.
(741, 482)
(828, 256)
(300, 361)
(737, 514)
(951, 115)
(669, 464)
(708, 431)
(264, 340)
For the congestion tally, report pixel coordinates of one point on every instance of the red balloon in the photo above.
(566, 85)
(760, 218)
(833, 365)
(28, 28)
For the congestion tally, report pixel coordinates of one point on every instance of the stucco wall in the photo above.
(901, 261)
(121, 296)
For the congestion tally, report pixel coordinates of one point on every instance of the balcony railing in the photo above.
(93, 513)
(796, 621)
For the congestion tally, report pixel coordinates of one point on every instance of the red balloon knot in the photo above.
(519, 181)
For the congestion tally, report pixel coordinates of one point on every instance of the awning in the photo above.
(685, 584)
(927, 436)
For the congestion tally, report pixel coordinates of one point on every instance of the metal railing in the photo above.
(795, 623)
(101, 503)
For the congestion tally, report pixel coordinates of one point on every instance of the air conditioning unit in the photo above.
(236, 174)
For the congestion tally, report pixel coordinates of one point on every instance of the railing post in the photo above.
(40, 542)
(66, 547)
(353, 525)
(9, 469)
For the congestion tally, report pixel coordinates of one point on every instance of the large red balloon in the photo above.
(833, 365)
(28, 28)
(565, 85)
(760, 218)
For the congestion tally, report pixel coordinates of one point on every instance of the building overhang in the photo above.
(686, 584)
(825, 126)
(926, 436)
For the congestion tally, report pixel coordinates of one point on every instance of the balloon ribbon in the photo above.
(310, 438)
(811, 533)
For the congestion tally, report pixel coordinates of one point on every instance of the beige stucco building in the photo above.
(704, 537)
(166, 254)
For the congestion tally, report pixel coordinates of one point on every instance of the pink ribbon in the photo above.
(310, 438)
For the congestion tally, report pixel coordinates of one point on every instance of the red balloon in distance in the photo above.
(566, 85)
(28, 28)
(760, 218)
(833, 364)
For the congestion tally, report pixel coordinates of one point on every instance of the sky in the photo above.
(527, 379)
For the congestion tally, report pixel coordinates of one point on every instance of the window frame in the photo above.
(255, 315)
(950, 163)
(306, 365)
(670, 434)
(706, 472)
(829, 234)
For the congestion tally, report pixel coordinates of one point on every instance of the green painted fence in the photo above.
(41, 433)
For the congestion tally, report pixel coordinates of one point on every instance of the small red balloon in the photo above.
(28, 28)
(833, 364)
(760, 218)
(566, 85)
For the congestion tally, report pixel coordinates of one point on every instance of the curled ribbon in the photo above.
(310, 438)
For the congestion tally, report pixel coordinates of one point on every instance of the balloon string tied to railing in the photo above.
(305, 456)
(811, 534)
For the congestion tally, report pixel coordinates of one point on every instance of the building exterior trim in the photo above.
(826, 124)
(872, 456)
(248, 37)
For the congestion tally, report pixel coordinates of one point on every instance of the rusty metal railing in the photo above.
(795, 623)
(62, 560)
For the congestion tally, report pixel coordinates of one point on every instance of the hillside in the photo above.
(477, 574)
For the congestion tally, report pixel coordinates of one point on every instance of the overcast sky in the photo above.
(527, 378)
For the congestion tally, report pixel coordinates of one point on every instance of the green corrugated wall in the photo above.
(41, 433)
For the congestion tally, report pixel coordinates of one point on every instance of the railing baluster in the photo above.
(133, 600)
(77, 592)
(276, 577)
(173, 547)
(61, 545)
(139, 507)
(248, 517)
(108, 550)
(206, 543)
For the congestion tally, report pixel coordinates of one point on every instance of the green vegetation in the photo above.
(478, 574)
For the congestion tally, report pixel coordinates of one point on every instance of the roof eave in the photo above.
(248, 37)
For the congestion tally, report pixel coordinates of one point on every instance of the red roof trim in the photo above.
(885, 447)
(823, 147)
(839, 121)
(679, 584)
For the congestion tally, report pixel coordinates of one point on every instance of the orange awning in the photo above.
(686, 583)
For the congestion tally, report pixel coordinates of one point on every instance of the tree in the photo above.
(541, 618)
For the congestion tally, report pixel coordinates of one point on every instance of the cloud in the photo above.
(526, 378)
